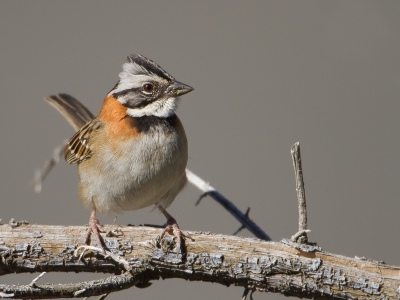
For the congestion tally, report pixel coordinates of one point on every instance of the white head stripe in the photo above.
(133, 76)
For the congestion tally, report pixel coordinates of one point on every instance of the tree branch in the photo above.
(138, 257)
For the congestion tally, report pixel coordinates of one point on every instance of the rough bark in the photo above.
(301, 236)
(281, 267)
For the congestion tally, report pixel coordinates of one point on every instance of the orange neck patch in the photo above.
(112, 110)
(119, 124)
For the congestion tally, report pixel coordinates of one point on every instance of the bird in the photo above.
(134, 153)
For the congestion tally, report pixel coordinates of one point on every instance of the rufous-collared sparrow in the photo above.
(134, 153)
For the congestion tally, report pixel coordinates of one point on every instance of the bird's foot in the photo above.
(173, 229)
(95, 228)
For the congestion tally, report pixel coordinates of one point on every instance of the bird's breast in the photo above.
(137, 170)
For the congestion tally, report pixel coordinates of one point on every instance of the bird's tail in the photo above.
(74, 111)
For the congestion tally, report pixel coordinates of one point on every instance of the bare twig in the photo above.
(124, 263)
(246, 292)
(228, 205)
(242, 227)
(41, 174)
(33, 282)
(301, 235)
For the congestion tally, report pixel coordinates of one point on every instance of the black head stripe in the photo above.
(150, 65)
(125, 92)
(135, 99)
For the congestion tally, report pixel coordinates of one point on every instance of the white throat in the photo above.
(162, 108)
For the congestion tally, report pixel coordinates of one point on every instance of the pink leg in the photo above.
(95, 228)
(173, 228)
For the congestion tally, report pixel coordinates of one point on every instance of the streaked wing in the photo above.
(78, 148)
(75, 112)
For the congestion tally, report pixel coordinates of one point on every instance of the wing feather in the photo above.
(78, 148)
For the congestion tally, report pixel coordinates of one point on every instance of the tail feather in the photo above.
(74, 111)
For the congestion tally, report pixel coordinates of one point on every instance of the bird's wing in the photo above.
(78, 148)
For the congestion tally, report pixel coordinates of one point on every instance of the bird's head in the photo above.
(146, 89)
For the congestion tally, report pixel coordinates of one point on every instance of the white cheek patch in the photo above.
(162, 108)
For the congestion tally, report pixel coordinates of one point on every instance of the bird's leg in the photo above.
(173, 228)
(95, 228)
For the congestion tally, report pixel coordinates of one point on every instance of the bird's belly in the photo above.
(153, 172)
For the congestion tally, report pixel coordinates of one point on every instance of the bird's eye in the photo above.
(148, 87)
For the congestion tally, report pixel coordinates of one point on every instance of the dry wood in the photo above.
(301, 235)
(138, 258)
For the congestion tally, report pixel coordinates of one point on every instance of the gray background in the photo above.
(325, 73)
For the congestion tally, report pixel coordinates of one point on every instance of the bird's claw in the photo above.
(173, 229)
(95, 228)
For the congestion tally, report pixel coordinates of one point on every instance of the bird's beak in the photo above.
(177, 89)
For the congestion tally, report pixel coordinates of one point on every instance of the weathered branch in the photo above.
(139, 258)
